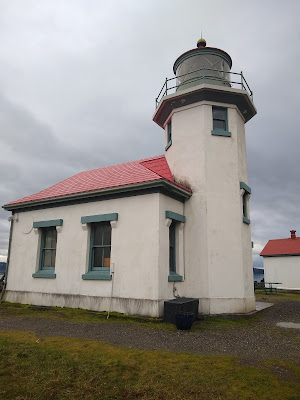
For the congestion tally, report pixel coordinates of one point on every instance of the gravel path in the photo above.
(261, 339)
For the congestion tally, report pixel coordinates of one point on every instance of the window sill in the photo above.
(97, 275)
(221, 133)
(168, 145)
(173, 277)
(44, 274)
(246, 220)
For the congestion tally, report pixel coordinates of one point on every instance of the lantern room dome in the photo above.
(202, 65)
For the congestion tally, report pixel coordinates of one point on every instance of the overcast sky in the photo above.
(78, 79)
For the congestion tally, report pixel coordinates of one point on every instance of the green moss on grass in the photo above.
(60, 368)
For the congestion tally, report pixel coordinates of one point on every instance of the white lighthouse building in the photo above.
(204, 122)
(128, 237)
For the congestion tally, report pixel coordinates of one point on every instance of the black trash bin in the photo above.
(184, 320)
(181, 304)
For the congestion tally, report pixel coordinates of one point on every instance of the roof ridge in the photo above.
(289, 238)
(156, 171)
(116, 165)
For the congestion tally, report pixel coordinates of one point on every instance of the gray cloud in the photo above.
(78, 82)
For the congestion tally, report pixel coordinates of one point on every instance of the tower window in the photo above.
(245, 214)
(245, 200)
(220, 122)
(169, 135)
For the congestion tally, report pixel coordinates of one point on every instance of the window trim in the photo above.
(104, 272)
(47, 224)
(174, 216)
(220, 132)
(99, 218)
(45, 272)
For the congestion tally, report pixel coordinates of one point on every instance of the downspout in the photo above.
(183, 238)
(11, 220)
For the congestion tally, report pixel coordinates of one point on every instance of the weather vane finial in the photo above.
(201, 42)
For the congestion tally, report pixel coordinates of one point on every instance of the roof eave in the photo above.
(280, 255)
(169, 186)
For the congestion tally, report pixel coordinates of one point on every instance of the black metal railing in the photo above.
(226, 78)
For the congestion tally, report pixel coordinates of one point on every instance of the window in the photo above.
(48, 248)
(99, 250)
(48, 243)
(175, 223)
(220, 123)
(100, 246)
(169, 135)
(245, 200)
(172, 247)
(245, 205)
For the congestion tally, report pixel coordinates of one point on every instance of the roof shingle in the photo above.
(279, 247)
(130, 173)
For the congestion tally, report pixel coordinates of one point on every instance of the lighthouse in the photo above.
(145, 235)
(203, 111)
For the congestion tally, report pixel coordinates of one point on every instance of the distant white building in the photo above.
(130, 236)
(282, 262)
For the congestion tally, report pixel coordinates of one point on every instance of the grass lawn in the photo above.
(13, 310)
(50, 368)
(60, 368)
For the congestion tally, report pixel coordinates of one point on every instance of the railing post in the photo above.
(203, 71)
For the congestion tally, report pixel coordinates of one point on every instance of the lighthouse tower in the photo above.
(203, 116)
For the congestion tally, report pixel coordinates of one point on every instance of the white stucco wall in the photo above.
(217, 242)
(134, 256)
(285, 270)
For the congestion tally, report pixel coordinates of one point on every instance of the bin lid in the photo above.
(181, 300)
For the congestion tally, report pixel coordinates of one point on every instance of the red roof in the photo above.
(280, 247)
(130, 173)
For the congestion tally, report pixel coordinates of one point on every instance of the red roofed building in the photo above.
(282, 262)
(130, 176)
(131, 236)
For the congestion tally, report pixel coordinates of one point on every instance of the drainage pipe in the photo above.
(11, 220)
